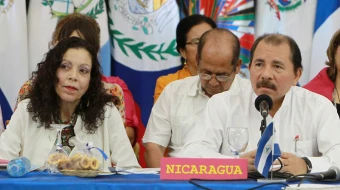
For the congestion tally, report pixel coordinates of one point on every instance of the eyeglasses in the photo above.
(194, 41)
(220, 78)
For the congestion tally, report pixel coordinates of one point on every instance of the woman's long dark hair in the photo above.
(44, 102)
(332, 71)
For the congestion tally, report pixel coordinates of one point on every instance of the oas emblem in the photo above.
(136, 27)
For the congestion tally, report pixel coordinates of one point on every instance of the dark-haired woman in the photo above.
(188, 33)
(67, 88)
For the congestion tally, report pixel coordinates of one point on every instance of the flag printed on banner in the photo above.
(238, 16)
(268, 150)
(327, 22)
(294, 18)
(13, 53)
(209, 8)
(43, 16)
(143, 35)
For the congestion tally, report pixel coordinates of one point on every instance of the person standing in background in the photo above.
(188, 33)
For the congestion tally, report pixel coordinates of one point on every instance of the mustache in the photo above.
(266, 84)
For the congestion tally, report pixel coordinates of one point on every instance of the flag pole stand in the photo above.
(271, 179)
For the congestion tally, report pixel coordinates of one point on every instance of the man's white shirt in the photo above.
(177, 110)
(303, 113)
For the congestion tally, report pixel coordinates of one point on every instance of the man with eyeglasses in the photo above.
(181, 103)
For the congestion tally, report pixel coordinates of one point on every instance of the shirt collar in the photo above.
(196, 88)
(287, 98)
(235, 84)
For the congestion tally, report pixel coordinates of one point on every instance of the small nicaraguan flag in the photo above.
(268, 150)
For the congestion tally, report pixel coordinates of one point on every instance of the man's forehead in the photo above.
(271, 45)
(214, 67)
(273, 60)
(218, 41)
(275, 52)
(217, 50)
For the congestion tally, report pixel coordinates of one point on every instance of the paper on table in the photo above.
(314, 186)
(36, 167)
(135, 170)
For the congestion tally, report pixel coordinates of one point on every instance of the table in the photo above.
(43, 180)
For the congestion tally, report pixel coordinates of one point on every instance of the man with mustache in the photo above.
(306, 124)
(182, 102)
